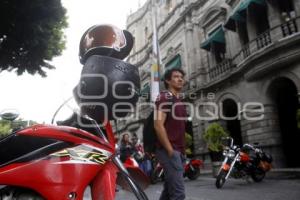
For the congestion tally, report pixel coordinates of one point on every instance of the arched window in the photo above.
(287, 9)
(215, 43)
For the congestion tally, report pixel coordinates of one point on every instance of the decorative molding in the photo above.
(187, 10)
(170, 52)
(213, 14)
(231, 2)
(189, 26)
(144, 74)
(141, 16)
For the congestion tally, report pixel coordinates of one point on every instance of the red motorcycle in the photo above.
(191, 170)
(247, 161)
(60, 162)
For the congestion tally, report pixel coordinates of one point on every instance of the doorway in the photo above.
(285, 95)
(233, 125)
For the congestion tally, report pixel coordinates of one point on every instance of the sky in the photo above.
(37, 98)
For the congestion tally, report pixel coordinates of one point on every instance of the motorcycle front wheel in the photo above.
(15, 193)
(258, 175)
(193, 174)
(220, 180)
(155, 176)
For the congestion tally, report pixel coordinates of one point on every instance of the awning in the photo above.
(246, 3)
(216, 37)
(231, 21)
(174, 63)
(237, 13)
(145, 90)
(230, 24)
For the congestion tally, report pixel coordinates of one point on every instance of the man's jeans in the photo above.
(173, 168)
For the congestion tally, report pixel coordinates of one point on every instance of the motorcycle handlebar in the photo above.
(255, 149)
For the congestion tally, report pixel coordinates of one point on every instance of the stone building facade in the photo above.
(242, 64)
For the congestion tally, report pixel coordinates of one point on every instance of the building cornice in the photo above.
(212, 15)
(141, 16)
(187, 10)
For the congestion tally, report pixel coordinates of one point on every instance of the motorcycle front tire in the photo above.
(258, 175)
(193, 174)
(154, 176)
(16, 193)
(220, 180)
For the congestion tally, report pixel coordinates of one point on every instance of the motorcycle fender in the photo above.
(197, 163)
(104, 184)
(137, 175)
(131, 162)
(226, 167)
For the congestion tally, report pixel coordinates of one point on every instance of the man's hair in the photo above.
(168, 75)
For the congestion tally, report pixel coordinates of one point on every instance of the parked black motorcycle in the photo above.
(243, 162)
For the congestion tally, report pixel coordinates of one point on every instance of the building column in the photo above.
(297, 12)
(196, 41)
(251, 25)
(297, 7)
(190, 46)
(274, 17)
(233, 43)
(204, 60)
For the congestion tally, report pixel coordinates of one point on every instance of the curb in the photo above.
(284, 173)
(276, 173)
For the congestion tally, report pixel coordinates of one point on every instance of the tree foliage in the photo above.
(31, 34)
(5, 127)
(188, 144)
(213, 137)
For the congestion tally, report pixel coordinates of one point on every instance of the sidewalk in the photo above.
(284, 173)
(276, 173)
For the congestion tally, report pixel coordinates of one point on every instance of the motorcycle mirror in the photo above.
(9, 114)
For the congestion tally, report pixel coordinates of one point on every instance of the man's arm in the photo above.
(162, 133)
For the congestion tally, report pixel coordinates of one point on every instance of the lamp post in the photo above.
(9, 115)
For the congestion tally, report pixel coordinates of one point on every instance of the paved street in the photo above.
(235, 189)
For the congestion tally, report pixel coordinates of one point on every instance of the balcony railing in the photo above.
(246, 51)
(261, 41)
(220, 69)
(266, 39)
(289, 27)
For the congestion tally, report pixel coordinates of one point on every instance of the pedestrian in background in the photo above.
(170, 132)
(141, 157)
(126, 147)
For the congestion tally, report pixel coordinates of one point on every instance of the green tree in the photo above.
(5, 127)
(31, 34)
(188, 144)
(213, 137)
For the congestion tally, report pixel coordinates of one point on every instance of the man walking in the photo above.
(169, 125)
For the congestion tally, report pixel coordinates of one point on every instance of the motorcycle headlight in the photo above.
(231, 154)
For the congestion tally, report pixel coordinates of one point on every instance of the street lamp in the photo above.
(9, 114)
